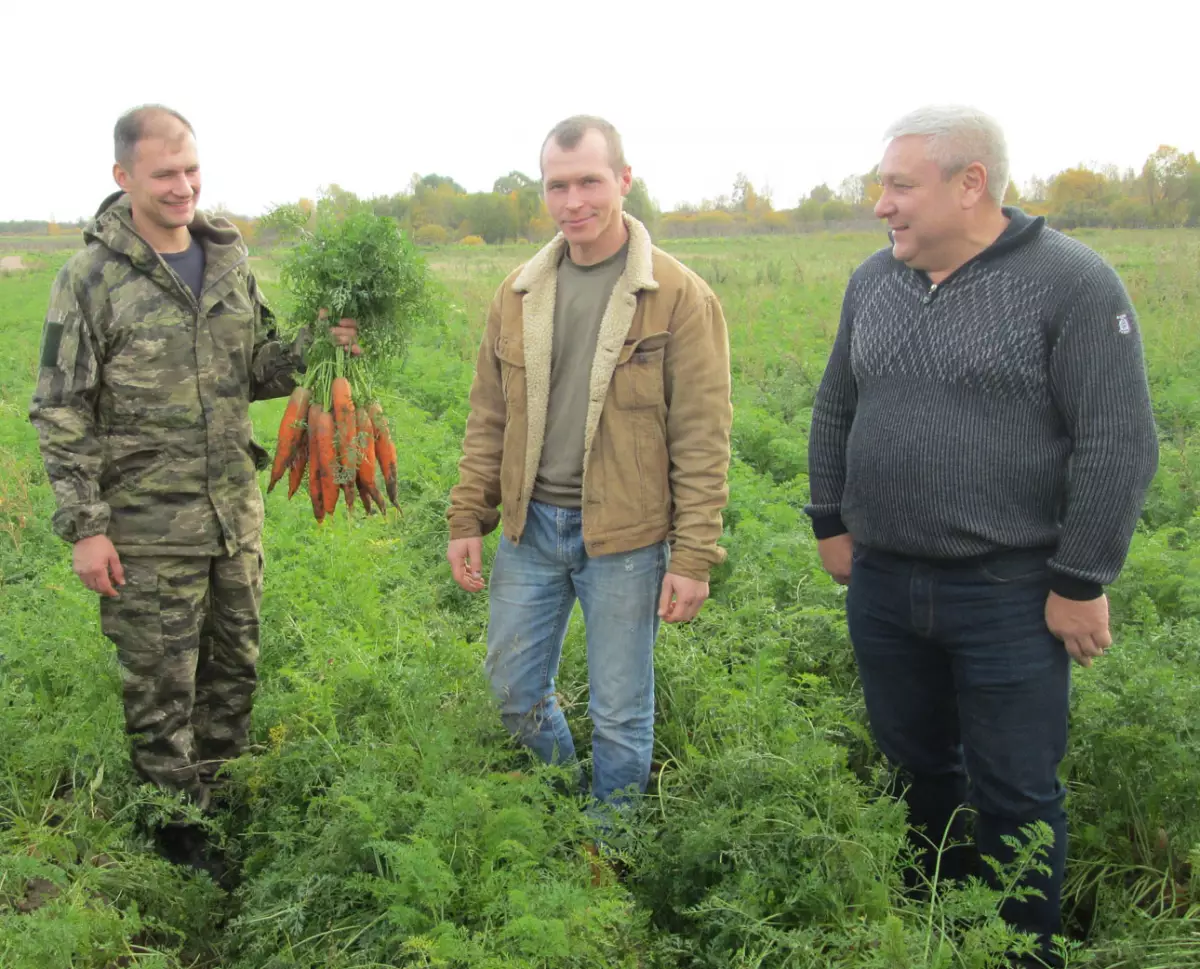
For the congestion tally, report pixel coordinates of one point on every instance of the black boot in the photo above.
(188, 845)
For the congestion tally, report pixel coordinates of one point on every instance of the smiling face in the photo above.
(584, 195)
(163, 182)
(926, 212)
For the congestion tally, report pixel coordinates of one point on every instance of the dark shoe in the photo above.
(188, 845)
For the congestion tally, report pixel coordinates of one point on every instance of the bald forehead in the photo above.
(167, 127)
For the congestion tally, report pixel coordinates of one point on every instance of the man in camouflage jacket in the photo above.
(156, 341)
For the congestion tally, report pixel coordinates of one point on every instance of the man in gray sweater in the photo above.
(981, 445)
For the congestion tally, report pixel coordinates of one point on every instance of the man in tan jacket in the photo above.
(600, 418)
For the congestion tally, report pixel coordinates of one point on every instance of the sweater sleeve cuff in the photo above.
(1070, 587)
(828, 526)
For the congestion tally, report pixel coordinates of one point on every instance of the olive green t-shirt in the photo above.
(579, 304)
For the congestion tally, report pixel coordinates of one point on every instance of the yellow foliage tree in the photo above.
(1077, 185)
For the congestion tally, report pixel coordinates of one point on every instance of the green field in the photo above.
(384, 819)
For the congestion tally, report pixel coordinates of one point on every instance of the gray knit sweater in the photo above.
(1006, 408)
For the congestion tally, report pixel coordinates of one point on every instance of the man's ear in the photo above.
(974, 181)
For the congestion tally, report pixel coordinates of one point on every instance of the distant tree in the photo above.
(639, 204)
(540, 228)
(338, 200)
(398, 206)
(744, 198)
(821, 194)
(247, 228)
(1037, 189)
(774, 222)
(871, 188)
(1172, 185)
(514, 181)
(436, 182)
(809, 210)
(1077, 185)
(851, 190)
(837, 210)
(491, 216)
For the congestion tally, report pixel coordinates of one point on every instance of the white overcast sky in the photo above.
(287, 97)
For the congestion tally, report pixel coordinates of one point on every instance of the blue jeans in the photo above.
(533, 588)
(967, 692)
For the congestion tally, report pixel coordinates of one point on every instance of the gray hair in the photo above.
(959, 135)
(138, 123)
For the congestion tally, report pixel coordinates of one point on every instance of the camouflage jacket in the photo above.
(143, 394)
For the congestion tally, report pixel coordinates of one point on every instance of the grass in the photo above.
(383, 817)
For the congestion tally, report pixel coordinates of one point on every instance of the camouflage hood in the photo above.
(112, 227)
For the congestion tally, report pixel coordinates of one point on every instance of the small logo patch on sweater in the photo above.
(1124, 326)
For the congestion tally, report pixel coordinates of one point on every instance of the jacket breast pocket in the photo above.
(638, 375)
(511, 354)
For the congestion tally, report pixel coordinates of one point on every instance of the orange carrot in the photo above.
(342, 401)
(329, 485)
(290, 429)
(299, 463)
(366, 466)
(314, 462)
(385, 451)
(365, 497)
(322, 461)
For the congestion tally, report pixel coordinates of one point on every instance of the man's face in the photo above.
(923, 210)
(583, 193)
(163, 179)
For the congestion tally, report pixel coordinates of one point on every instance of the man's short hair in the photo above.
(959, 135)
(138, 123)
(569, 133)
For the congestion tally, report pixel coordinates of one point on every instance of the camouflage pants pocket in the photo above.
(227, 673)
(155, 625)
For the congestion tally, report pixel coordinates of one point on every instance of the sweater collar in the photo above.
(1021, 230)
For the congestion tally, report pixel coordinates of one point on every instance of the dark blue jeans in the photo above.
(967, 693)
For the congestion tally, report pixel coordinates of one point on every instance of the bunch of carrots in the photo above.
(339, 446)
(347, 262)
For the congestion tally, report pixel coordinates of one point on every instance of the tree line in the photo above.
(437, 210)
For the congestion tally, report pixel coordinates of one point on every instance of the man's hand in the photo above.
(681, 598)
(837, 556)
(465, 556)
(97, 564)
(344, 334)
(1081, 625)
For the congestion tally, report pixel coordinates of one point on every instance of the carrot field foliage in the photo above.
(383, 818)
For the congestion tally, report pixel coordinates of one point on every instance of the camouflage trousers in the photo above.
(186, 632)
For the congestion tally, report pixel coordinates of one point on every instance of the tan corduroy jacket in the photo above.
(656, 443)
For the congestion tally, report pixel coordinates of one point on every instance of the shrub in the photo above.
(431, 235)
